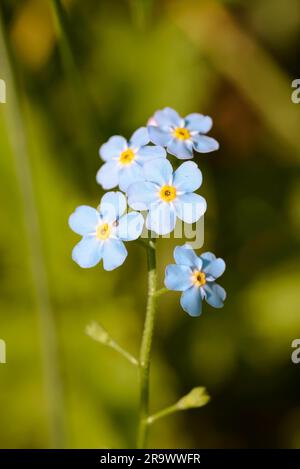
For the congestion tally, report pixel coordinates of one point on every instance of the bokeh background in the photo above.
(76, 73)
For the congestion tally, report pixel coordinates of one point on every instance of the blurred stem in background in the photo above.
(79, 102)
(145, 352)
(140, 11)
(64, 45)
(19, 143)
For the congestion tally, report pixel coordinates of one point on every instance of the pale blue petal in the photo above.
(161, 219)
(214, 295)
(188, 177)
(130, 174)
(190, 207)
(159, 136)
(215, 268)
(108, 175)
(88, 252)
(185, 255)
(168, 117)
(220, 291)
(178, 277)
(191, 301)
(112, 206)
(114, 254)
(150, 152)
(84, 220)
(204, 144)
(183, 149)
(139, 138)
(207, 257)
(159, 171)
(130, 226)
(142, 194)
(113, 147)
(198, 122)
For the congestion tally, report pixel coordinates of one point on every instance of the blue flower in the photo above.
(167, 196)
(103, 232)
(181, 135)
(124, 160)
(195, 277)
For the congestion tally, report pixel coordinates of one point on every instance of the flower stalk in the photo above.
(97, 332)
(145, 351)
(197, 397)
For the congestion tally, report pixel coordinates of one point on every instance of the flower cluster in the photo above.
(141, 170)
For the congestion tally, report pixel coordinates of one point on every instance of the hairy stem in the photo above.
(145, 352)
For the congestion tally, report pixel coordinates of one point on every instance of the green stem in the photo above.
(114, 345)
(161, 291)
(19, 143)
(162, 413)
(145, 351)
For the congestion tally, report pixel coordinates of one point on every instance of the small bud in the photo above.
(197, 397)
(98, 333)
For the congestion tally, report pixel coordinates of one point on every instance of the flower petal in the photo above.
(159, 136)
(220, 291)
(198, 122)
(130, 174)
(84, 220)
(168, 117)
(214, 295)
(159, 171)
(142, 194)
(150, 152)
(185, 255)
(130, 226)
(114, 254)
(188, 177)
(207, 257)
(139, 138)
(204, 144)
(190, 207)
(112, 206)
(191, 301)
(183, 149)
(215, 268)
(113, 147)
(88, 252)
(178, 277)
(108, 175)
(161, 218)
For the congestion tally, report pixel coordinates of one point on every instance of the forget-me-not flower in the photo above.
(167, 195)
(124, 160)
(195, 277)
(103, 231)
(182, 135)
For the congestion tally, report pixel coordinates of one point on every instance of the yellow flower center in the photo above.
(167, 193)
(103, 231)
(127, 156)
(199, 278)
(181, 133)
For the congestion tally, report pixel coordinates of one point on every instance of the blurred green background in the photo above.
(86, 70)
